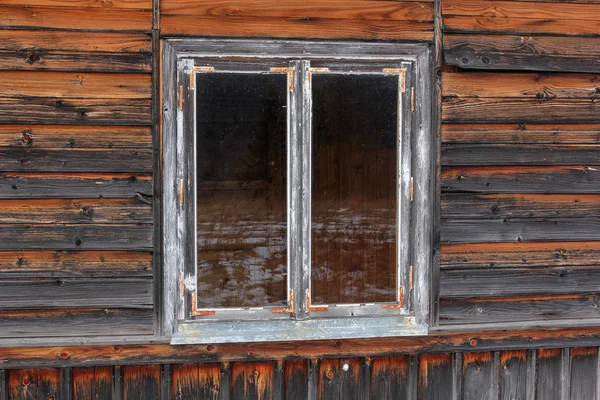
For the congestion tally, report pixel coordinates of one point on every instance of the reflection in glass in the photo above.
(241, 124)
(354, 180)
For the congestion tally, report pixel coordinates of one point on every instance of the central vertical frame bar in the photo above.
(299, 187)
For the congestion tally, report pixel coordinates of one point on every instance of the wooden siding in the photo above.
(76, 168)
(562, 373)
(519, 159)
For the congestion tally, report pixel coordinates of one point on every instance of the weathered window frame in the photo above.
(413, 314)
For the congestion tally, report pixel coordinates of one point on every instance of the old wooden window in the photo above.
(296, 190)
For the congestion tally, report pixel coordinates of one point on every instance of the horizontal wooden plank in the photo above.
(519, 154)
(106, 19)
(65, 136)
(117, 4)
(75, 237)
(522, 26)
(515, 52)
(507, 255)
(519, 206)
(70, 293)
(41, 60)
(472, 283)
(70, 264)
(69, 41)
(75, 322)
(573, 179)
(519, 9)
(521, 133)
(319, 9)
(519, 230)
(531, 85)
(511, 309)
(524, 110)
(80, 211)
(296, 27)
(36, 110)
(520, 17)
(76, 160)
(31, 185)
(74, 85)
(65, 355)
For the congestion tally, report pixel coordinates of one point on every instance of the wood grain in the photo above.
(74, 85)
(26, 136)
(528, 85)
(28, 384)
(571, 179)
(75, 237)
(506, 255)
(141, 382)
(520, 205)
(76, 293)
(521, 133)
(520, 110)
(74, 41)
(63, 264)
(522, 53)
(518, 282)
(32, 185)
(296, 27)
(107, 19)
(46, 110)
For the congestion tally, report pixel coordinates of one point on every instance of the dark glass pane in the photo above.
(354, 175)
(241, 124)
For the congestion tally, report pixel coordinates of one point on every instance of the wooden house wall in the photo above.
(76, 164)
(519, 188)
(562, 373)
(519, 159)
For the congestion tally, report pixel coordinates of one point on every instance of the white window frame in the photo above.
(301, 320)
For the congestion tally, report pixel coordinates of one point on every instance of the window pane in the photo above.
(241, 179)
(354, 175)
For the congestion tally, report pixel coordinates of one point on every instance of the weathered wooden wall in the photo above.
(75, 168)
(520, 156)
(520, 200)
(567, 373)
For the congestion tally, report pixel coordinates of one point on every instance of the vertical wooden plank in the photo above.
(117, 386)
(365, 378)
(435, 376)
(531, 374)
(329, 379)
(3, 385)
(380, 378)
(313, 379)
(296, 380)
(225, 388)
(480, 376)
(185, 382)
(82, 383)
(66, 389)
(412, 378)
(278, 390)
(25, 384)
(165, 382)
(350, 378)
(141, 382)
(209, 381)
(584, 373)
(252, 380)
(102, 383)
(398, 375)
(549, 369)
(513, 375)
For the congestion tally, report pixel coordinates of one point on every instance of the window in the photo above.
(296, 190)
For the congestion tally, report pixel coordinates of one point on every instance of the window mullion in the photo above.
(299, 188)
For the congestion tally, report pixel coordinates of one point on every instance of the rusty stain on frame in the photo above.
(397, 71)
(309, 308)
(290, 308)
(290, 73)
(193, 74)
(197, 312)
(400, 300)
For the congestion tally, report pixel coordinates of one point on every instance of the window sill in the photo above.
(288, 330)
